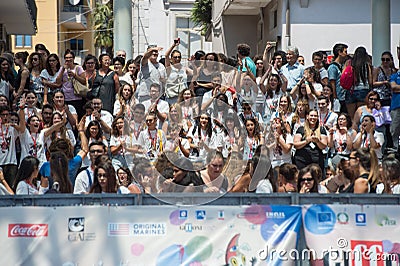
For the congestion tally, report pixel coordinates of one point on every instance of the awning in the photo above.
(19, 16)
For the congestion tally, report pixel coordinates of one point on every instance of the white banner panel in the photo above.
(356, 235)
(148, 235)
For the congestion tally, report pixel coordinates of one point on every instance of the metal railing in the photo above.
(229, 199)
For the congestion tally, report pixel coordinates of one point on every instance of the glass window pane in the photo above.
(72, 44)
(195, 42)
(28, 41)
(182, 23)
(183, 47)
(80, 45)
(19, 42)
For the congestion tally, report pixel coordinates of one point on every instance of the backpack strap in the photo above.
(89, 177)
(338, 65)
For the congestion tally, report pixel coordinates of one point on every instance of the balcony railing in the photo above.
(76, 9)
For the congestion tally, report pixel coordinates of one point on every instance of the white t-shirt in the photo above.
(366, 142)
(328, 119)
(24, 188)
(264, 186)
(208, 95)
(127, 78)
(380, 187)
(278, 157)
(45, 75)
(82, 183)
(7, 145)
(152, 141)
(31, 144)
(170, 146)
(72, 110)
(86, 161)
(4, 87)
(213, 142)
(149, 74)
(105, 116)
(162, 106)
(47, 142)
(116, 141)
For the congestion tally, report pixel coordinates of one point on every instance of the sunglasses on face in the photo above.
(384, 59)
(306, 179)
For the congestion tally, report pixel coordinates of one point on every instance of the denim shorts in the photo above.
(357, 96)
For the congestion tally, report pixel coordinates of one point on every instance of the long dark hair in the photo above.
(391, 172)
(48, 67)
(314, 174)
(59, 171)
(361, 65)
(99, 135)
(198, 126)
(8, 75)
(224, 107)
(278, 86)
(257, 129)
(63, 129)
(114, 130)
(369, 161)
(87, 58)
(25, 170)
(111, 179)
(22, 55)
(129, 175)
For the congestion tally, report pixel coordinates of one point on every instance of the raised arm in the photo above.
(266, 58)
(263, 78)
(168, 54)
(55, 127)
(21, 127)
(84, 141)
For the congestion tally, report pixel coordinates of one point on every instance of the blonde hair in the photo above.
(308, 131)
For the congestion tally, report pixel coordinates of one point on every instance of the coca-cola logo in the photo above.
(27, 230)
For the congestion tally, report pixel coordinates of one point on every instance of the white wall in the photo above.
(158, 24)
(325, 23)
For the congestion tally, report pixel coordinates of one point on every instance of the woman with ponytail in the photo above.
(365, 163)
(59, 173)
(391, 176)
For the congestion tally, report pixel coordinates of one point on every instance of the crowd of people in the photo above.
(211, 123)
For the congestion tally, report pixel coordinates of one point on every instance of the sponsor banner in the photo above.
(151, 235)
(352, 234)
(27, 230)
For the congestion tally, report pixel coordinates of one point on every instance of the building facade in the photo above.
(309, 25)
(16, 17)
(61, 25)
(160, 22)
